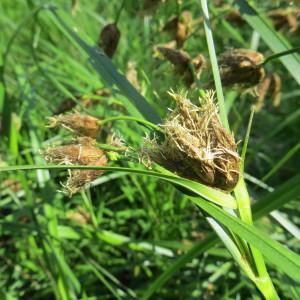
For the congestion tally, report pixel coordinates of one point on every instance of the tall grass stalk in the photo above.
(254, 257)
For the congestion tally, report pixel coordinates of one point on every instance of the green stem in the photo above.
(119, 12)
(279, 54)
(214, 64)
(253, 256)
(129, 118)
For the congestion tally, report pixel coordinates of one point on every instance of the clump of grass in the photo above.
(196, 145)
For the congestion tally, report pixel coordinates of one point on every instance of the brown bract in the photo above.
(196, 145)
(109, 39)
(80, 124)
(241, 67)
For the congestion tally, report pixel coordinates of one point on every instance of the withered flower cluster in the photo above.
(285, 18)
(241, 67)
(184, 66)
(109, 39)
(82, 152)
(282, 18)
(196, 145)
(179, 27)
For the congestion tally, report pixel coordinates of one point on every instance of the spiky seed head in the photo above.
(196, 145)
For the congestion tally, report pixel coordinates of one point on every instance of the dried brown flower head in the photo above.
(83, 125)
(82, 153)
(109, 39)
(234, 17)
(183, 63)
(285, 18)
(241, 67)
(179, 27)
(196, 145)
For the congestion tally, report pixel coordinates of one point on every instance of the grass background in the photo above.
(132, 228)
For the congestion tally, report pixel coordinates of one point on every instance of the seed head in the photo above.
(196, 145)
(179, 27)
(82, 153)
(241, 67)
(183, 63)
(109, 39)
(83, 125)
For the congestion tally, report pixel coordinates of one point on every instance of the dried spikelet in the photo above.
(196, 145)
(261, 90)
(241, 67)
(234, 17)
(83, 153)
(179, 27)
(183, 62)
(109, 39)
(283, 18)
(179, 58)
(131, 75)
(79, 178)
(269, 86)
(275, 89)
(83, 125)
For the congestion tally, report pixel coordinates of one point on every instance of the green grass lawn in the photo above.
(149, 225)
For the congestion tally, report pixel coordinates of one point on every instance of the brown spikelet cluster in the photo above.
(83, 152)
(109, 39)
(179, 27)
(285, 18)
(234, 17)
(183, 63)
(241, 67)
(82, 125)
(196, 145)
